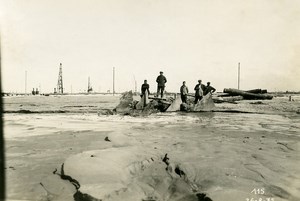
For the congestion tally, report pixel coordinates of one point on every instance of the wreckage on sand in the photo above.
(129, 105)
(133, 105)
(147, 105)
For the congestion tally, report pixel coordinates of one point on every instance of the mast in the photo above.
(239, 75)
(89, 86)
(113, 80)
(135, 85)
(25, 82)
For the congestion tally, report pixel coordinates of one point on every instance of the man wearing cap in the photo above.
(209, 89)
(199, 88)
(161, 80)
(184, 92)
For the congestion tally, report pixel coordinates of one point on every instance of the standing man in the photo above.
(161, 80)
(144, 96)
(184, 92)
(209, 89)
(145, 87)
(199, 88)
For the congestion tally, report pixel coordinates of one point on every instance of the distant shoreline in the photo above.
(4, 94)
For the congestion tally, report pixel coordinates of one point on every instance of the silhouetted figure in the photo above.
(199, 88)
(209, 89)
(161, 81)
(145, 87)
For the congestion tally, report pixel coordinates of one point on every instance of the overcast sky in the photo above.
(186, 39)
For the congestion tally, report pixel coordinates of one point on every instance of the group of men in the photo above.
(201, 89)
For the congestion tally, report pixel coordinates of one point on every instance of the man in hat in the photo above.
(209, 89)
(161, 80)
(199, 88)
(184, 92)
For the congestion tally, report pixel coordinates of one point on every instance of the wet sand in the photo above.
(225, 156)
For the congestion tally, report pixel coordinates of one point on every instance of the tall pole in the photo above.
(88, 84)
(239, 76)
(135, 84)
(62, 86)
(25, 82)
(113, 80)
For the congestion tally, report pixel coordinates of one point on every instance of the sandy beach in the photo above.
(226, 156)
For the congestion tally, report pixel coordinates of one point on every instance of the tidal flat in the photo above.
(163, 156)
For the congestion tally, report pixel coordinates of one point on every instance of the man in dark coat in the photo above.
(209, 89)
(145, 87)
(161, 80)
(199, 88)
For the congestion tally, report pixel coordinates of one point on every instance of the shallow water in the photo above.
(224, 155)
(65, 103)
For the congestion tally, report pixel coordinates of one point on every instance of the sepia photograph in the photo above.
(150, 100)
